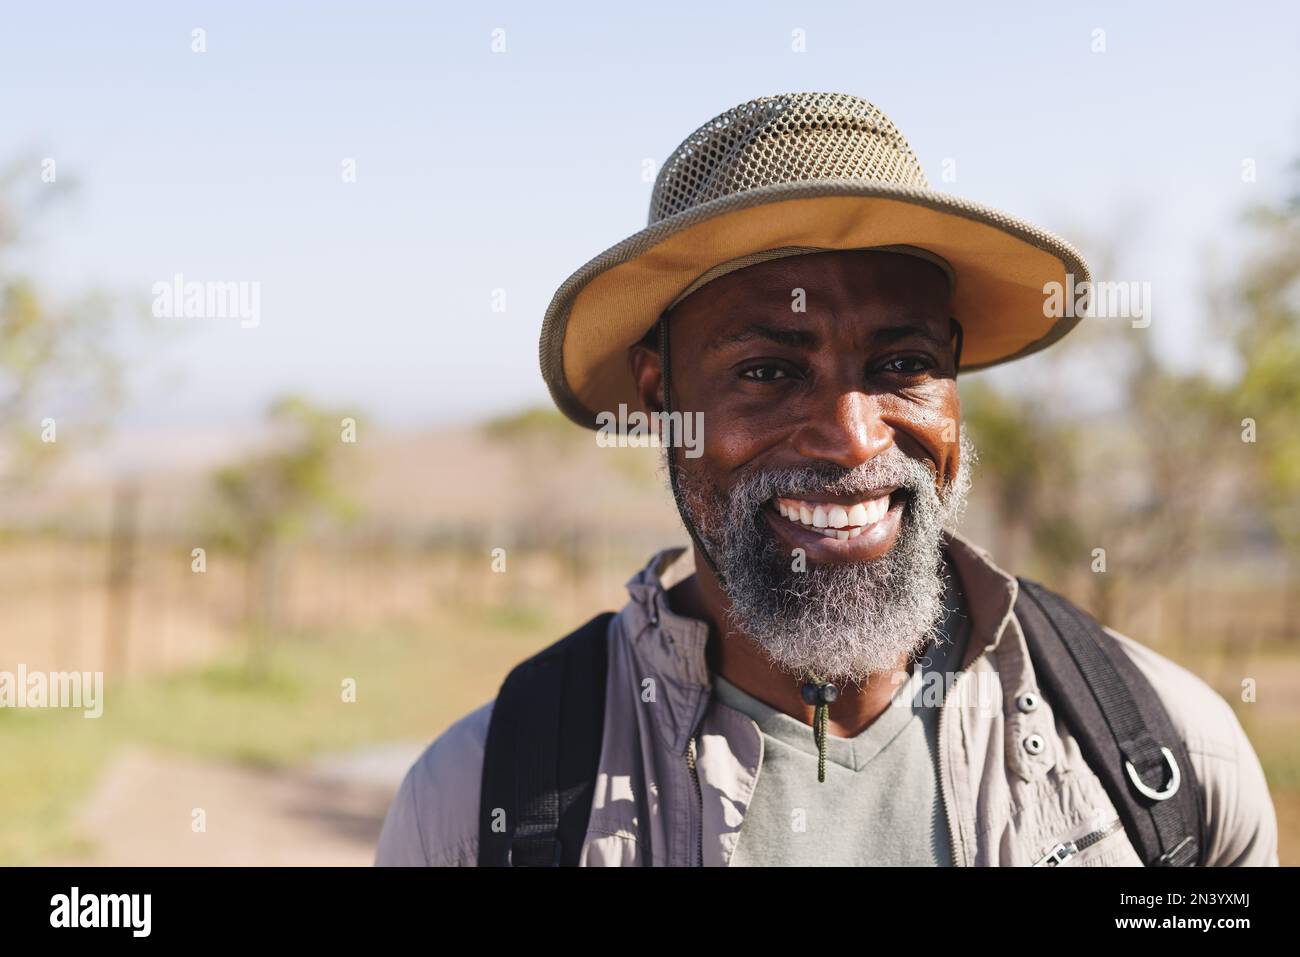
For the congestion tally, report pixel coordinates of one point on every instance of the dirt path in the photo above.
(328, 814)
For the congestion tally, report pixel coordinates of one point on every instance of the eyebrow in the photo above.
(797, 338)
(807, 339)
(892, 334)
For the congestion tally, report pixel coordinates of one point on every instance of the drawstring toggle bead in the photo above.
(819, 692)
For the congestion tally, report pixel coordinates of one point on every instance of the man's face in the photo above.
(832, 451)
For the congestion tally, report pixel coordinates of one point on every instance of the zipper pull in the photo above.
(1058, 855)
(1067, 849)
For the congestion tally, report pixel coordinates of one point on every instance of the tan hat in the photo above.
(795, 173)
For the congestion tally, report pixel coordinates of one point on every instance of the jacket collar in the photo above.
(990, 594)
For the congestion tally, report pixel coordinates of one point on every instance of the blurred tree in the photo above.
(539, 438)
(1029, 461)
(1265, 305)
(264, 503)
(1181, 420)
(1130, 479)
(57, 366)
(1029, 431)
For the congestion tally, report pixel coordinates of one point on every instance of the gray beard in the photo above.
(842, 622)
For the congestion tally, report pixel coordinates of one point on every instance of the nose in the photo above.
(846, 429)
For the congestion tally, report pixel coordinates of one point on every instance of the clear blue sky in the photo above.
(478, 170)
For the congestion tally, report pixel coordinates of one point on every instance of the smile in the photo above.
(839, 520)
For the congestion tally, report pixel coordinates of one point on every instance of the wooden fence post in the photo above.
(121, 571)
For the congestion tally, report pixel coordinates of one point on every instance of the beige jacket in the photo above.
(677, 769)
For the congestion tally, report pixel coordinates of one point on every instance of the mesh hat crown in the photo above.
(784, 139)
(787, 174)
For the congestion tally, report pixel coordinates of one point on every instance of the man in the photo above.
(765, 697)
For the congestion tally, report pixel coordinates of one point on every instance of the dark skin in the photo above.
(870, 364)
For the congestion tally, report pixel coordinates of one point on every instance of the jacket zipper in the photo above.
(699, 803)
(1067, 849)
(944, 792)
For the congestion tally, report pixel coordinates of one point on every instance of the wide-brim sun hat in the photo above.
(806, 172)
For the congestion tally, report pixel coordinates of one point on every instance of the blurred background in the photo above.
(278, 540)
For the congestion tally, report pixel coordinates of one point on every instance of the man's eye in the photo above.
(908, 365)
(765, 373)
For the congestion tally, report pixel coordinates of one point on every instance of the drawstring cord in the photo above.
(819, 735)
(820, 694)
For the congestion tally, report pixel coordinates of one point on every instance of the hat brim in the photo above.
(1001, 264)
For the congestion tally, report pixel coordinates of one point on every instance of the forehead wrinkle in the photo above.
(825, 329)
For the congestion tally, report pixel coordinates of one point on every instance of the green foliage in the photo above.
(1029, 460)
(1267, 313)
(1151, 471)
(56, 356)
(268, 500)
(272, 496)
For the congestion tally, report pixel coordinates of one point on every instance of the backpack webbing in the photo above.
(542, 750)
(1119, 722)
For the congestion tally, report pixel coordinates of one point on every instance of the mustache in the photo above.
(887, 470)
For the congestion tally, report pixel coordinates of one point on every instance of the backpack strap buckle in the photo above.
(1179, 855)
(1169, 790)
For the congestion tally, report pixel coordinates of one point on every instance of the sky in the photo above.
(478, 171)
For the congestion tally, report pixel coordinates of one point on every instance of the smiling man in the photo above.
(829, 675)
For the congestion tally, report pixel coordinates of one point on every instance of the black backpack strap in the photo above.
(1124, 731)
(543, 747)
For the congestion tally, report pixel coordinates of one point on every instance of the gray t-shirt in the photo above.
(880, 804)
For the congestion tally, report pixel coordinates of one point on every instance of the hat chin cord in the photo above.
(814, 690)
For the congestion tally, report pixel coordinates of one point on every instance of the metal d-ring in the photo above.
(1175, 779)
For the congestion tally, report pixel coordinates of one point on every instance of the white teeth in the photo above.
(841, 522)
